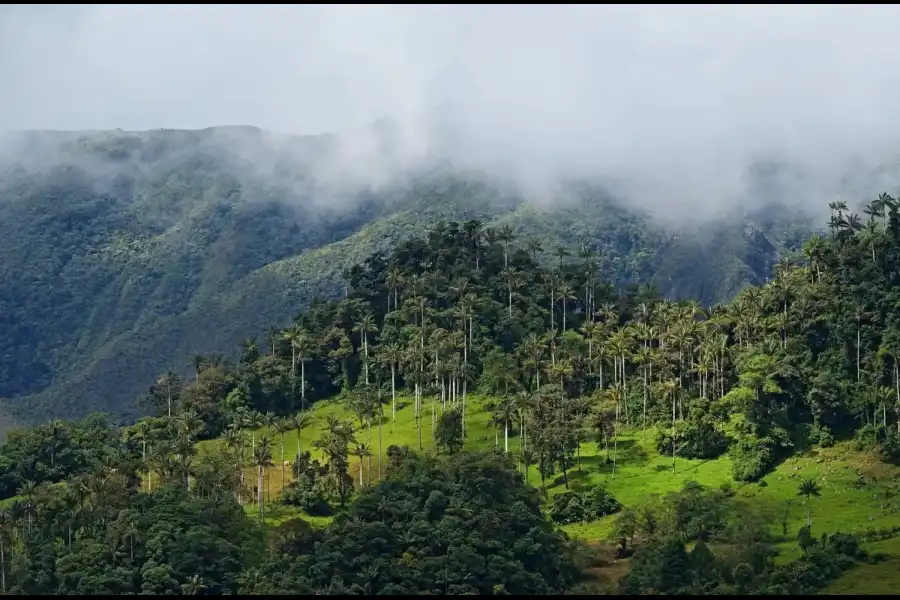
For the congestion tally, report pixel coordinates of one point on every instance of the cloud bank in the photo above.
(672, 104)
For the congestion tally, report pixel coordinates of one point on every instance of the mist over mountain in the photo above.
(116, 244)
(162, 163)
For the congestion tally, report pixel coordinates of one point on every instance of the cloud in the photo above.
(671, 103)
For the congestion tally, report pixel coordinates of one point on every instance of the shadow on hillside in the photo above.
(629, 453)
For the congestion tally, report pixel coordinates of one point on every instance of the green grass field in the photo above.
(857, 492)
(876, 579)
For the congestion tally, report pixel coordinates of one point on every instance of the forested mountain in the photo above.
(799, 364)
(123, 254)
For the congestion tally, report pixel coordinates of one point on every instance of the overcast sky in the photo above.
(674, 96)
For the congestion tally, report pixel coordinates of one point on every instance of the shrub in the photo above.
(694, 439)
(865, 438)
(821, 436)
(601, 503)
(572, 507)
(567, 508)
(889, 448)
(307, 496)
(751, 458)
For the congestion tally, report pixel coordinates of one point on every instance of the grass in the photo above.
(880, 578)
(857, 492)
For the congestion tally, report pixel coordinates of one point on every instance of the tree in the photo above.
(262, 459)
(807, 489)
(449, 433)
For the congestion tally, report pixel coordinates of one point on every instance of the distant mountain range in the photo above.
(122, 254)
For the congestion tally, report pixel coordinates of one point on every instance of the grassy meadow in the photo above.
(858, 494)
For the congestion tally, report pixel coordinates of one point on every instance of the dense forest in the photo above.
(114, 245)
(810, 358)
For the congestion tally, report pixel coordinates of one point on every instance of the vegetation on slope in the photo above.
(115, 245)
(562, 362)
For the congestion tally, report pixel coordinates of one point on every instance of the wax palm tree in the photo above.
(563, 295)
(362, 451)
(168, 383)
(503, 414)
(282, 426)
(364, 326)
(298, 423)
(392, 355)
(262, 459)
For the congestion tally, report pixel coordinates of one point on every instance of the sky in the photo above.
(673, 102)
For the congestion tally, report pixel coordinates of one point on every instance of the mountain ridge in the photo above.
(115, 242)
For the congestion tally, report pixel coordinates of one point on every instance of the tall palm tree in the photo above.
(514, 280)
(564, 294)
(394, 282)
(392, 354)
(535, 247)
(364, 326)
(362, 451)
(299, 340)
(143, 430)
(298, 423)
(506, 235)
(282, 426)
(503, 414)
(168, 382)
(262, 459)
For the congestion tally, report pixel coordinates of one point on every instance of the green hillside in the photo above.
(469, 419)
(114, 246)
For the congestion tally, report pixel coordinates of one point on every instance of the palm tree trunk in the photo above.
(293, 368)
(365, 338)
(673, 432)
(393, 395)
(259, 490)
(360, 471)
(380, 451)
(302, 384)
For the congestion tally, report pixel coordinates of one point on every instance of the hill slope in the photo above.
(114, 244)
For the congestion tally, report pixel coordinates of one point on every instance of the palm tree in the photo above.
(262, 458)
(514, 281)
(143, 430)
(535, 248)
(807, 489)
(561, 252)
(670, 388)
(299, 341)
(564, 294)
(394, 282)
(506, 235)
(282, 426)
(362, 451)
(194, 586)
(505, 411)
(298, 423)
(364, 326)
(392, 354)
(169, 384)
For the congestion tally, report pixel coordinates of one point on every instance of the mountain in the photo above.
(114, 245)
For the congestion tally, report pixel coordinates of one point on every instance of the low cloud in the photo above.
(671, 106)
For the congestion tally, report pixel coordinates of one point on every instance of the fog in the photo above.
(670, 106)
